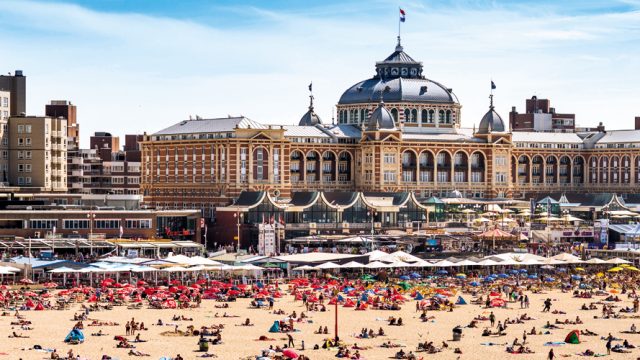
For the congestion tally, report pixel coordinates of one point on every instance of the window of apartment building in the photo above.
(260, 164)
(20, 129)
(223, 163)
(326, 178)
(243, 164)
(501, 177)
(20, 180)
(20, 141)
(213, 158)
(75, 224)
(42, 224)
(28, 154)
(20, 167)
(389, 176)
(133, 180)
(501, 160)
(368, 158)
(476, 177)
(443, 176)
(20, 155)
(441, 158)
(5, 102)
(27, 141)
(295, 178)
(425, 176)
(27, 129)
(27, 167)
(106, 224)
(5, 154)
(5, 141)
(276, 165)
(27, 180)
(117, 180)
(326, 167)
(138, 224)
(389, 158)
(311, 166)
(458, 176)
(407, 176)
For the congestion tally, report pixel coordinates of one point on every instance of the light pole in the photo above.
(91, 216)
(238, 217)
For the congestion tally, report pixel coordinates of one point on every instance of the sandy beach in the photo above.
(51, 326)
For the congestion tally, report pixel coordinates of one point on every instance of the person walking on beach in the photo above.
(551, 355)
(526, 301)
(127, 328)
(547, 305)
(492, 319)
(608, 346)
(290, 344)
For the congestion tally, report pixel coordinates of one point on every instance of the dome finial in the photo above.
(311, 96)
(491, 101)
(399, 45)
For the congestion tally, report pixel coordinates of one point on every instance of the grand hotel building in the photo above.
(397, 131)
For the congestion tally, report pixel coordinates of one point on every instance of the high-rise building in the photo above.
(37, 153)
(5, 110)
(105, 168)
(16, 85)
(65, 109)
(540, 116)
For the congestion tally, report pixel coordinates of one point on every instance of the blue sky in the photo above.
(134, 66)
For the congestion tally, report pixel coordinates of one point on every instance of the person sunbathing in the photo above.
(247, 322)
(99, 333)
(380, 332)
(137, 353)
(20, 336)
(627, 345)
(138, 339)
(588, 332)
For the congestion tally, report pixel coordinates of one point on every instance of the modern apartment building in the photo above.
(16, 85)
(37, 153)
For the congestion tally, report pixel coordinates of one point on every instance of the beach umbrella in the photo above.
(533, 276)
(442, 272)
(624, 265)
(503, 276)
(290, 353)
(474, 283)
(632, 268)
(576, 277)
(405, 277)
(461, 276)
(549, 279)
(615, 269)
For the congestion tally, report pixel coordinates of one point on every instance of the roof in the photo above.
(398, 90)
(491, 122)
(344, 131)
(620, 136)
(381, 119)
(547, 137)
(315, 257)
(458, 135)
(304, 131)
(227, 124)
(310, 118)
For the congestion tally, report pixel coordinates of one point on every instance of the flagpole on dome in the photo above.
(401, 19)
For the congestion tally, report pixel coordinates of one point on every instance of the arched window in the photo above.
(441, 116)
(414, 116)
(432, 116)
(394, 113)
(424, 116)
(363, 115)
(407, 115)
(448, 117)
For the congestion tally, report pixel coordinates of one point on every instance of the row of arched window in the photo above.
(424, 116)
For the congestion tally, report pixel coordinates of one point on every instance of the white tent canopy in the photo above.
(352, 265)
(595, 261)
(304, 268)
(618, 261)
(567, 258)
(376, 265)
(62, 270)
(327, 266)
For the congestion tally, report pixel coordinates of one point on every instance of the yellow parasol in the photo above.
(632, 268)
(599, 275)
(579, 269)
(615, 269)
(625, 265)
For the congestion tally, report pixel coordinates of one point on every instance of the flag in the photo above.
(402, 15)
(493, 85)
(311, 86)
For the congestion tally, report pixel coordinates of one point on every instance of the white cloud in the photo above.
(131, 72)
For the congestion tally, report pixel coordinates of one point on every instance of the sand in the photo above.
(50, 327)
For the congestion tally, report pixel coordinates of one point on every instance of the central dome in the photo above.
(399, 78)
